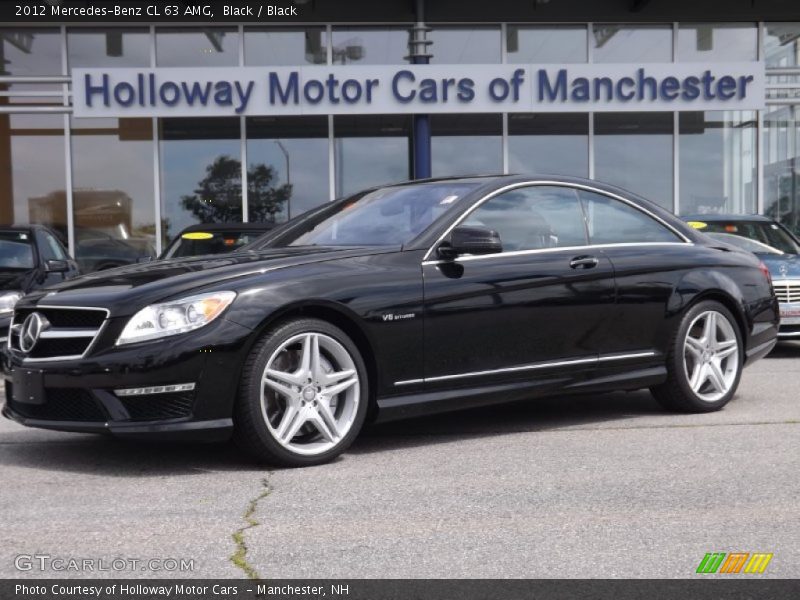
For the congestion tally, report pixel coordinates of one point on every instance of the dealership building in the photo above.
(118, 134)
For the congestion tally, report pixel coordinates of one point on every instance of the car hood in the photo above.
(127, 289)
(17, 279)
(782, 266)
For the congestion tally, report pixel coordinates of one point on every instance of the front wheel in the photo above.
(303, 395)
(705, 360)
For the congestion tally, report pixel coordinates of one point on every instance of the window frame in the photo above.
(572, 192)
(427, 260)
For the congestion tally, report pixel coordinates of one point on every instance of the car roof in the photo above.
(717, 218)
(27, 228)
(212, 227)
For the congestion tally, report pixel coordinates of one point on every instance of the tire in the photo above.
(303, 411)
(688, 389)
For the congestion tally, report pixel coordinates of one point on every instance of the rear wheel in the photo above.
(704, 362)
(303, 395)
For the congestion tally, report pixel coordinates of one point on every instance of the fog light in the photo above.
(156, 389)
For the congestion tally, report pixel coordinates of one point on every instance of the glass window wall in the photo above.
(287, 171)
(717, 162)
(549, 143)
(116, 47)
(465, 45)
(371, 150)
(201, 173)
(724, 42)
(613, 43)
(782, 166)
(545, 44)
(285, 47)
(208, 47)
(32, 171)
(369, 46)
(466, 144)
(112, 192)
(634, 151)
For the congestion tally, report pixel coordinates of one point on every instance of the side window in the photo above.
(611, 221)
(49, 248)
(533, 217)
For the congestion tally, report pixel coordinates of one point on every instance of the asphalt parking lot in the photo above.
(604, 486)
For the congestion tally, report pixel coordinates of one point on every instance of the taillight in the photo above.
(765, 270)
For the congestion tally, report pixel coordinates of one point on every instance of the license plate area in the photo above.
(27, 386)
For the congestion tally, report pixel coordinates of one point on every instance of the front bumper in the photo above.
(79, 395)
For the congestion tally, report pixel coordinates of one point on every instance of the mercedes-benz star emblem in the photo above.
(32, 327)
(784, 268)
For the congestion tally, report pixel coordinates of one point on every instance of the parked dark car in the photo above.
(398, 301)
(775, 245)
(214, 238)
(31, 257)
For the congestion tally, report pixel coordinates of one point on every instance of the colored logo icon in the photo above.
(735, 562)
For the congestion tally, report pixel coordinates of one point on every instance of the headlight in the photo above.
(171, 318)
(8, 300)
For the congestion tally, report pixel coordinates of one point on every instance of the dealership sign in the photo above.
(321, 90)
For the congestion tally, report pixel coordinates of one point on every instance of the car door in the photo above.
(649, 259)
(536, 306)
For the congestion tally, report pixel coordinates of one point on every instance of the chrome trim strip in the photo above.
(409, 381)
(469, 257)
(556, 183)
(608, 357)
(68, 333)
(3, 339)
(530, 367)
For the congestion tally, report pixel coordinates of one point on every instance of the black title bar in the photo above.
(287, 12)
(740, 588)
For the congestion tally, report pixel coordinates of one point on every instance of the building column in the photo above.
(421, 130)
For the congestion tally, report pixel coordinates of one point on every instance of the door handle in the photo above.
(583, 262)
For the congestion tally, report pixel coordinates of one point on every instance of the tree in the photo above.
(218, 197)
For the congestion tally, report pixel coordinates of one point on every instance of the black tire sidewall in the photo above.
(249, 400)
(678, 358)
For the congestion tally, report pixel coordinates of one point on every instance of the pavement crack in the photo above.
(239, 556)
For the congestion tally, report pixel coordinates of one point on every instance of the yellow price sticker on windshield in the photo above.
(197, 235)
(698, 224)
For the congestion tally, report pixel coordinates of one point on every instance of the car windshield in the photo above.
(385, 217)
(16, 251)
(764, 232)
(198, 243)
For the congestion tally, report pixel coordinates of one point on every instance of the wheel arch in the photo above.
(339, 316)
(717, 287)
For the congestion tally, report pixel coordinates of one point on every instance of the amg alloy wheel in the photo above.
(304, 395)
(704, 362)
(711, 355)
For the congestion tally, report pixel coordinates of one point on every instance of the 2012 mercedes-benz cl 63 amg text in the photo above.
(397, 301)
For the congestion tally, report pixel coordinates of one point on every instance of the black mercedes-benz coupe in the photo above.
(397, 301)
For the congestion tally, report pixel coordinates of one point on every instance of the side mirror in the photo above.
(56, 266)
(470, 240)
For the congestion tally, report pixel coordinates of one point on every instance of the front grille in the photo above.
(61, 404)
(788, 292)
(66, 318)
(157, 407)
(69, 333)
